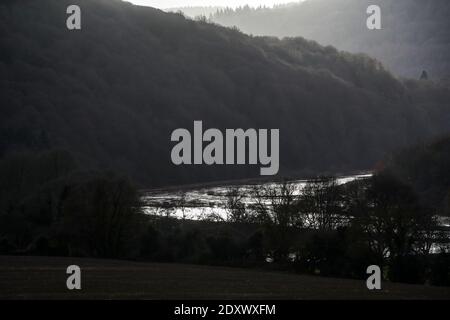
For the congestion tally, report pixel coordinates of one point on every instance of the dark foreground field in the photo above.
(45, 278)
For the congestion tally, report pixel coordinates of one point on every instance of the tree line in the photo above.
(414, 34)
(50, 206)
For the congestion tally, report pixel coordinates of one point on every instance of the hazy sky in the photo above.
(163, 4)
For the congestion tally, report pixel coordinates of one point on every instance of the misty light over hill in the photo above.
(165, 4)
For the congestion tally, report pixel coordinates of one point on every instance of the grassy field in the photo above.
(45, 278)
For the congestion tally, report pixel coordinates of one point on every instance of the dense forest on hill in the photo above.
(196, 11)
(415, 33)
(112, 93)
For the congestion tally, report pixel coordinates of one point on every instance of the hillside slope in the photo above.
(113, 92)
(415, 33)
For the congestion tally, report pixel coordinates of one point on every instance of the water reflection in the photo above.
(206, 202)
(211, 202)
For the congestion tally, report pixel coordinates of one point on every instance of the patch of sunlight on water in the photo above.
(207, 202)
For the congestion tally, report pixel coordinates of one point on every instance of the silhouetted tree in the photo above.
(424, 75)
(102, 216)
(236, 209)
(320, 203)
